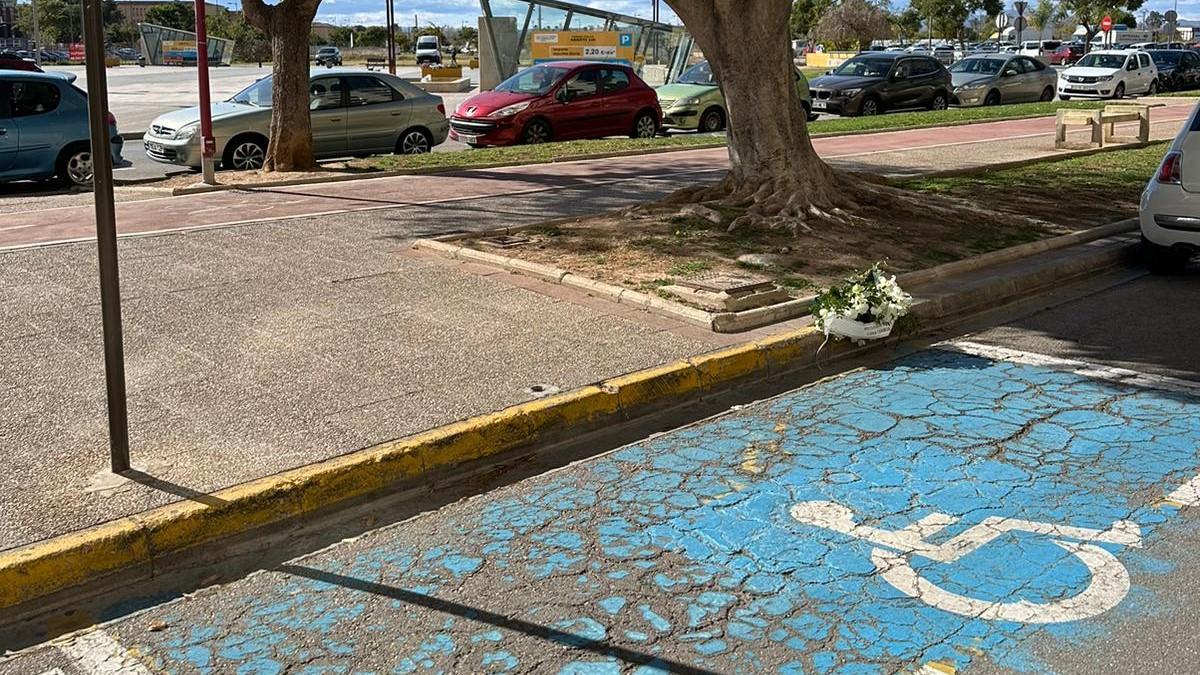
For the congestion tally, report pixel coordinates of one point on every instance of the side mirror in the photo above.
(1008, 73)
(562, 95)
(829, 72)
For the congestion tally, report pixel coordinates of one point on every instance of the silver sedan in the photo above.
(992, 79)
(354, 113)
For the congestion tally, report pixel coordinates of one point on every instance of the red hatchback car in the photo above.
(559, 101)
(1065, 55)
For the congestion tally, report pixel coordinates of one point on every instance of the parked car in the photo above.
(54, 57)
(11, 61)
(869, 84)
(1065, 55)
(1001, 78)
(1036, 48)
(694, 102)
(558, 101)
(354, 113)
(328, 57)
(429, 50)
(1109, 74)
(1177, 69)
(44, 129)
(1169, 213)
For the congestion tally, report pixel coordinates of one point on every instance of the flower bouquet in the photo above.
(865, 306)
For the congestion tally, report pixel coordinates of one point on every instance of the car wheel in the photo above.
(1153, 88)
(645, 126)
(939, 102)
(993, 98)
(1119, 92)
(870, 106)
(713, 120)
(414, 142)
(1164, 259)
(1047, 95)
(245, 154)
(75, 166)
(536, 132)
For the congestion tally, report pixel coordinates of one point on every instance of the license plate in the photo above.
(467, 138)
(155, 147)
(820, 105)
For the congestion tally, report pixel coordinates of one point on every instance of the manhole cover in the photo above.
(542, 390)
(504, 241)
(728, 283)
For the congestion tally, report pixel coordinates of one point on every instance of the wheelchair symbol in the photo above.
(1109, 579)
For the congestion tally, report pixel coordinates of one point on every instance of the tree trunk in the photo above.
(774, 171)
(287, 26)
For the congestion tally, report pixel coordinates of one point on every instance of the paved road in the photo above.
(973, 507)
(891, 153)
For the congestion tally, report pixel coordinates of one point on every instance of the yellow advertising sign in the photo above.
(573, 45)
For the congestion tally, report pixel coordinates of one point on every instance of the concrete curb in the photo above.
(200, 189)
(134, 545)
(733, 322)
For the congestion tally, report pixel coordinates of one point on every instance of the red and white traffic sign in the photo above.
(1106, 24)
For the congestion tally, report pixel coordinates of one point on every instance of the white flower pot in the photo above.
(857, 330)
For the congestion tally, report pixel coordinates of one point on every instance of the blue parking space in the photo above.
(936, 512)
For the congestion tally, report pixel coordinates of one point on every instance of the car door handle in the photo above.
(335, 119)
(397, 113)
(3, 132)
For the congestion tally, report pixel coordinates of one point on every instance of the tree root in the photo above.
(814, 202)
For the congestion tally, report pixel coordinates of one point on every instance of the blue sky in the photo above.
(458, 12)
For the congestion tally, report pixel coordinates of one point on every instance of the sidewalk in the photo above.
(255, 349)
(895, 153)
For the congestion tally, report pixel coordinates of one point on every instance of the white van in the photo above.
(429, 49)
(1035, 49)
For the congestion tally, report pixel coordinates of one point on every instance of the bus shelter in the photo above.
(163, 46)
(507, 28)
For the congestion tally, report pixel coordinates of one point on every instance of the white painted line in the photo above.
(1083, 368)
(1187, 494)
(97, 653)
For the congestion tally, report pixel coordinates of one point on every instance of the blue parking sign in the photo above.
(626, 40)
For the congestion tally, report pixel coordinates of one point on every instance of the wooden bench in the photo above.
(375, 62)
(1102, 124)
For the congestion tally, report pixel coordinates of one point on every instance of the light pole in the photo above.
(37, 35)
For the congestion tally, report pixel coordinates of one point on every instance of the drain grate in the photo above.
(725, 282)
(504, 241)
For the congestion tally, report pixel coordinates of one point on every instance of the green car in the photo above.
(695, 102)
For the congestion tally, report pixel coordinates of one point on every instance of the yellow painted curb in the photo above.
(43, 568)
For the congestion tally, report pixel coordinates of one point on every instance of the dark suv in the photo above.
(329, 57)
(871, 83)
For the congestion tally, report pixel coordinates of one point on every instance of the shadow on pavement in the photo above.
(600, 647)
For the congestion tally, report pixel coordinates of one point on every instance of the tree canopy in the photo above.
(853, 24)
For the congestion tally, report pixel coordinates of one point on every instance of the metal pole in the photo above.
(208, 145)
(391, 36)
(106, 235)
(37, 35)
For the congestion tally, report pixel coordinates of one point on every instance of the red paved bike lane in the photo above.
(226, 208)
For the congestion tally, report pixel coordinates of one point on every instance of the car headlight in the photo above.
(1106, 78)
(187, 131)
(690, 100)
(973, 85)
(511, 110)
(850, 93)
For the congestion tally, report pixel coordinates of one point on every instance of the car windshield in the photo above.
(700, 73)
(257, 94)
(427, 43)
(537, 80)
(1102, 61)
(327, 50)
(868, 67)
(978, 66)
(1166, 58)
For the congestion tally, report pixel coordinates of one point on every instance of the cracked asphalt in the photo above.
(1037, 479)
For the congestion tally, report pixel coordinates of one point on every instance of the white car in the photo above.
(1170, 209)
(1109, 74)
